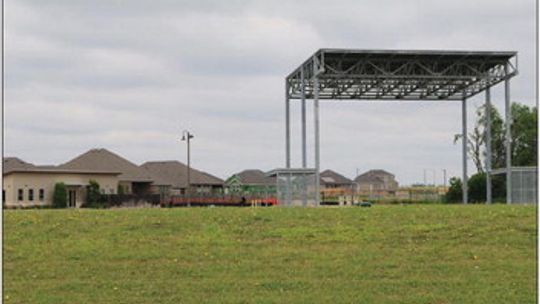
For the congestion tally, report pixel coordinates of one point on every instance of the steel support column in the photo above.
(287, 127)
(317, 146)
(488, 146)
(508, 140)
(464, 149)
(304, 151)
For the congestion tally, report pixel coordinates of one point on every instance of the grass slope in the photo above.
(384, 254)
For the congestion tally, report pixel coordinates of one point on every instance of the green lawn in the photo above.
(383, 254)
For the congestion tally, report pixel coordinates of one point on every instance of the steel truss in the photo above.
(406, 75)
(342, 74)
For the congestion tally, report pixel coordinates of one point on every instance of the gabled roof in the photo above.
(174, 173)
(332, 177)
(254, 177)
(105, 160)
(14, 164)
(373, 176)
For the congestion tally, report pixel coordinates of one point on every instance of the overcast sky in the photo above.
(129, 76)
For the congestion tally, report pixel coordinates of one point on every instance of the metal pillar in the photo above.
(464, 148)
(317, 147)
(488, 146)
(287, 127)
(508, 140)
(304, 152)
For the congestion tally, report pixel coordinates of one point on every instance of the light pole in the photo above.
(186, 136)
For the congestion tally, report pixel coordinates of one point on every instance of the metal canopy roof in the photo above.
(407, 75)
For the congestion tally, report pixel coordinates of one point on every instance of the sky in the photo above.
(130, 76)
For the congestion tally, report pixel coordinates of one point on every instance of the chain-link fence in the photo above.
(524, 184)
(295, 187)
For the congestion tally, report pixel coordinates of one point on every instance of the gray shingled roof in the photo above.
(174, 173)
(105, 160)
(332, 177)
(254, 177)
(372, 176)
(14, 164)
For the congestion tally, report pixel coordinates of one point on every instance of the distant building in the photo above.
(331, 179)
(132, 180)
(376, 180)
(170, 178)
(251, 182)
(28, 185)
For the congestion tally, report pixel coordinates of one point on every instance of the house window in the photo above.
(20, 195)
(3, 196)
(30, 194)
(41, 194)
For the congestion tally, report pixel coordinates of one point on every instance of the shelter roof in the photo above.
(357, 74)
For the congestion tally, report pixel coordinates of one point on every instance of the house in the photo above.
(251, 182)
(132, 178)
(376, 180)
(170, 177)
(331, 179)
(28, 185)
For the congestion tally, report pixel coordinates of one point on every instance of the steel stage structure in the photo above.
(353, 74)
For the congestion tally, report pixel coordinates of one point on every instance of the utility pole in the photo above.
(186, 136)
(444, 177)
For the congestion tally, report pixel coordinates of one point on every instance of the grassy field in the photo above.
(383, 254)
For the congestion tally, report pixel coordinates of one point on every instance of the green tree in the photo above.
(524, 135)
(477, 188)
(93, 194)
(455, 191)
(60, 196)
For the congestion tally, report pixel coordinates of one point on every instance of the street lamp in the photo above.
(186, 136)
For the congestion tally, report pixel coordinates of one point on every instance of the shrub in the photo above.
(60, 196)
(455, 191)
(93, 195)
(477, 188)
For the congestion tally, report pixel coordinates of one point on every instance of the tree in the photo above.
(455, 191)
(60, 196)
(93, 195)
(524, 137)
(476, 189)
(120, 189)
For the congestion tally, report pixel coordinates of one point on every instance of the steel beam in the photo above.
(317, 145)
(464, 149)
(287, 127)
(303, 90)
(508, 140)
(304, 153)
(488, 146)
